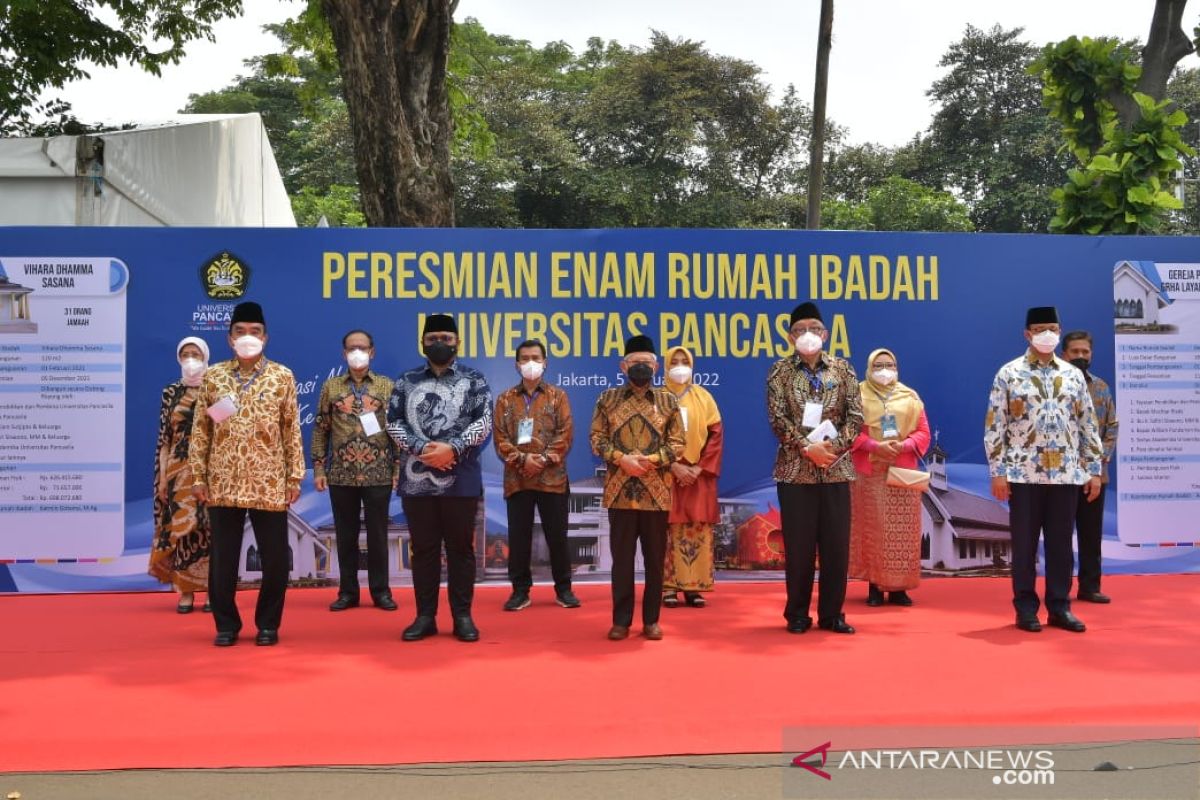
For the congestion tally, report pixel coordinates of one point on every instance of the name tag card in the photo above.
(525, 431)
(370, 423)
(888, 423)
(812, 414)
(223, 409)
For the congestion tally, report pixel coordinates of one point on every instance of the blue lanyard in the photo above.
(359, 394)
(529, 398)
(814, 379)
(243, 387)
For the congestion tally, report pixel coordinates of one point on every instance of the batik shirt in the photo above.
(356, 459)
(454, 407)
(639, 422)
(1040, 426)
(1106, 418)
(790, 385)
(553, 428)
(252, 458)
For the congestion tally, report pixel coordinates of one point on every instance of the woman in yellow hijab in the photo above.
(885, 522)
(689, 565)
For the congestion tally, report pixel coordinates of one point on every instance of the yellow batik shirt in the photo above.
(252, 458)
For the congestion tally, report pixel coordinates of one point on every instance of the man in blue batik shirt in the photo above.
(440, 417)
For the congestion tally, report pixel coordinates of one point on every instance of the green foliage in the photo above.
(339, 204)
(1120, 190)
(1126, 162)
(46, 43)
(899, 205)
(1078, 77)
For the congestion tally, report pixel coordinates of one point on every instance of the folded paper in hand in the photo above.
(826, 430)
(902, 478)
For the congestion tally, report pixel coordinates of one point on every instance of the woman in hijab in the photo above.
(179, 555)
(689, 564)
(885, 521)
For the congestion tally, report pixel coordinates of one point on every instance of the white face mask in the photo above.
(884, 376)
(532, 370)
(1045, 342)
(681, 374)
(808, 343)
(192, 371)
(247, 346)
(357, 359)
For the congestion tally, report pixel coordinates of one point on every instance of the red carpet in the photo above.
(116, 681)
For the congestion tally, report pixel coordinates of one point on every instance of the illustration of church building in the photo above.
(1137, 294)
(960, 530)
(14, 307)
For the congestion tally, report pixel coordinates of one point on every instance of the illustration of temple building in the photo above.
(14, 307)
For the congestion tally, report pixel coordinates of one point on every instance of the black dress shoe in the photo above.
(420, 628)
(267, 637)
(899, 599)
(874, 596)
(343, 602)
(225, 638)
(799, 625)
(465, 630)
(1068, 622)
(1094, 597)
(838, 625)
(1030, 624)
(385, 602)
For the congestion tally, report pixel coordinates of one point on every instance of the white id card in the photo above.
(223, 409)
(812, 414)
(525, 431)
(370, 423)
(683, 414)
(887, 424)
(826, 430)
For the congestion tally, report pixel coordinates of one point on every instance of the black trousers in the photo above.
(816, 521)
(552, 509)
(434, 521)
(1046, 511)
(270, 536)
(372, 502)
(627, 527)
(1089, 527)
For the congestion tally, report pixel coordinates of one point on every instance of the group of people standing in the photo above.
(230, 448)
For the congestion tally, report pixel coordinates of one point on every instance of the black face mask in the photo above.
(1082, 363)
(439, 353)
(640, 375)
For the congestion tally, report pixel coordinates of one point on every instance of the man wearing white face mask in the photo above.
(355, 459)
(815, 409)
(533, 428)
(247, 457)
(1042, 444)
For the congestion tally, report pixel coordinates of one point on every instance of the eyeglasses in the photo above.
(816, 329)
(447, 339)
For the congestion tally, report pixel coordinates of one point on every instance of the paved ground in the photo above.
(1151, 770)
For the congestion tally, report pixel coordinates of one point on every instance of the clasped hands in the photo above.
(438, 455)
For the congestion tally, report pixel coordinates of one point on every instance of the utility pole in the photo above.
(816, 158)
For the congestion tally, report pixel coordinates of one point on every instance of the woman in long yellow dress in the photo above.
(689, 562)
(179, 555)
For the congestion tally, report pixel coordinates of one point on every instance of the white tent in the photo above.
(203, 169)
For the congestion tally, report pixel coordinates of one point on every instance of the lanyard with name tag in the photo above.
(525, 426)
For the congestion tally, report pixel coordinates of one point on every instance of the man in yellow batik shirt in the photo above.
(247, 457)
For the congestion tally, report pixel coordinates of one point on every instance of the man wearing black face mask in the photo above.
(1089, 514)
(440, 417)
(637, 431)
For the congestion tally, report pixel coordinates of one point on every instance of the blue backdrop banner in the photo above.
(89, 319)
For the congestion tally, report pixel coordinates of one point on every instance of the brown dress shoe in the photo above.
(652, 632)
(618, 632)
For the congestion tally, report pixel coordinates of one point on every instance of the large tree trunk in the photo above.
(393, 62)
(816, 158)
(1166, 46)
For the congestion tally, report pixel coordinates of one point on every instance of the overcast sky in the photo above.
(884, 57)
